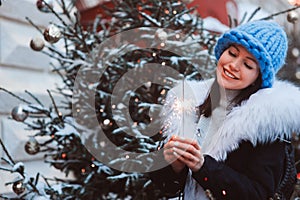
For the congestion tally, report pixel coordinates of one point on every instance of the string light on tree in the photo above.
(106, 123)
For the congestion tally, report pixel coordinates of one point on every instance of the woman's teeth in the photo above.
(229, 75)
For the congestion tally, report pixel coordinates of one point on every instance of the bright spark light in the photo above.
(182, 105)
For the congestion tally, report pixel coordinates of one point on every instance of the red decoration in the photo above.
(217, 9)
(87, 15)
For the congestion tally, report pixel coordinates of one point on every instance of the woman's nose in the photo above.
(235, 65)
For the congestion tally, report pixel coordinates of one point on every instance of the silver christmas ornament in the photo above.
(41, 5)
(19, 114)
(52, 34)
(32, 146)
(292, 17)
(37, 44)
(18, 187)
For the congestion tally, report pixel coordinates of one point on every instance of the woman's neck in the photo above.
(227, 96)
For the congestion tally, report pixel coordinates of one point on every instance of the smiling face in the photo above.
(237, 68)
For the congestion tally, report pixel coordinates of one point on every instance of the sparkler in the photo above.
(185, 111)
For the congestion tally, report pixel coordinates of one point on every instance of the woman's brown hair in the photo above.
(213, 99)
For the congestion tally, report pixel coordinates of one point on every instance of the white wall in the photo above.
(22, 69)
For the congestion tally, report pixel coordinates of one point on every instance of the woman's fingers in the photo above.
(193, 161)
(187, 147)
(187, 141)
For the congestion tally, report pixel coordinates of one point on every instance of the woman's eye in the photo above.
(248, 66)
(231, 53)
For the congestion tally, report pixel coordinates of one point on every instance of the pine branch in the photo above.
(12, 94)
(55, 13)
(34, 25)
(55, 107)
(11, 161)
(34, 97)
(280, 13)
(253, 14)
(66, 12)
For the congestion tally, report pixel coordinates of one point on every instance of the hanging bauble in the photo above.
(161, 35)
(292, 17)
(18, 187)
(37, 44)
(32, 146)
(52, 34)
(19, 114)
(41, 5)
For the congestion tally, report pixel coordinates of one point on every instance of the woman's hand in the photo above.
(187, 152)
(172, 157)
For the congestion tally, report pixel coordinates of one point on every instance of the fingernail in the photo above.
(175, 153)
(176, 144)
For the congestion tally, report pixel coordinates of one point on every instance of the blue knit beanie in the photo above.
(265, 40)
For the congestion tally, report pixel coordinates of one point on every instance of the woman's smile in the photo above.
(227, 73)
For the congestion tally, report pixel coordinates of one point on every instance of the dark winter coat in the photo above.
(246, 159)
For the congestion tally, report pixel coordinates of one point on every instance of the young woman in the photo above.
(244, 121)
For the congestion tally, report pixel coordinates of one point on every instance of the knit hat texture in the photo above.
(265, 40)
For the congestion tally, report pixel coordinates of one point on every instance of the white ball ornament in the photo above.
(37, 44)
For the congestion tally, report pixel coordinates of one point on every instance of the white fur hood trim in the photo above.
(267, 115)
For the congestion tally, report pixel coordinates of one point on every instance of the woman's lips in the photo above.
(230, 75)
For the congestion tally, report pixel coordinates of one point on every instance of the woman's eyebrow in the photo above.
(253, 59)
(235, 47)
(248, 57)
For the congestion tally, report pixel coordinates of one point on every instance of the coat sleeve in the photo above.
(246, 174)
(170, 183)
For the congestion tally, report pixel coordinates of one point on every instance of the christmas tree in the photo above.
(105, 129)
